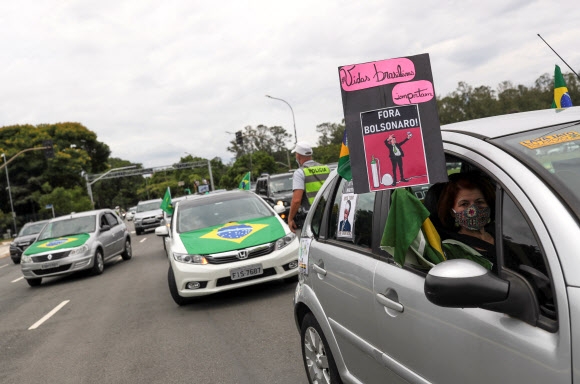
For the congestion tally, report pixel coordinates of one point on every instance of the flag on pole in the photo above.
(166, 203)
(245, 183)
(409, 234)
(561, 97)
(343, 168)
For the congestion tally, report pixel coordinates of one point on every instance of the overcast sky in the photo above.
(156, 79)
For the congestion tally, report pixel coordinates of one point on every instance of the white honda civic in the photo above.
(224, 241)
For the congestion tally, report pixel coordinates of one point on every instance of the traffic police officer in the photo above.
(306, 182)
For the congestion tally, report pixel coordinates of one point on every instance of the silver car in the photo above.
(362, 319)
(76, 242)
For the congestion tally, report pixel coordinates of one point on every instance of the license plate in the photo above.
(247, 271)
(52, 264)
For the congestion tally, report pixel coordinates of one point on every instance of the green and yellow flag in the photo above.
(561, 97)
(343, 168)
(166, 203)
(57, 244)
(232, 236)
(245, 183)
(409, 233)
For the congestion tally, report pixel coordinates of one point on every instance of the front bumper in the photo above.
(149, 225)
(216, 277)
(57, 266)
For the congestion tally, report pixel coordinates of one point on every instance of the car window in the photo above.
(351, 218)
(522, 254)
(316, 222)
(111, 219)
(74, 226)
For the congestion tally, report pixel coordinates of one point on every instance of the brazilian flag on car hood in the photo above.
(234, 235)
(57, 244)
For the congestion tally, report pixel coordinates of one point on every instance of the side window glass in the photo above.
(111, 219)
(316, 221)
(523, 255)
(351, 218)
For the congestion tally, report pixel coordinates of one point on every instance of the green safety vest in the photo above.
(314, 177)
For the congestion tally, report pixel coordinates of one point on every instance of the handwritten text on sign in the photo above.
(368, 75)
(413, 92)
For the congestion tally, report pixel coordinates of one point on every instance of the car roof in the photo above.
(80, 214)
(216, 198)
(497, 126)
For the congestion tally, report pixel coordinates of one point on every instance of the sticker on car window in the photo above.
(345, 218)
(303, 255)
(545, 141)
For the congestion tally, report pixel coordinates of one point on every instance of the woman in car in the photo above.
(466, 212)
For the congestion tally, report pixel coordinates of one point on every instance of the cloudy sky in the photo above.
(156, 79)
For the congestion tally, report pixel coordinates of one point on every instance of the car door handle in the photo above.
(391, 304)
(319, 270)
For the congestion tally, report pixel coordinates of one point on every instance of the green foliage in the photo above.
(65, 201)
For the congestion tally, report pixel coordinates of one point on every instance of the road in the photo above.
(123, 327)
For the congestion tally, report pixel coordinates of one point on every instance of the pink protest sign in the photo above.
(361, 76)
(413, 92)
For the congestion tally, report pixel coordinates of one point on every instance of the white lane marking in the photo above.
(143, 239)
(20, 278)
(2, 266)
(49, 315)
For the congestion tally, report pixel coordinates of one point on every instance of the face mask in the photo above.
(473, 218)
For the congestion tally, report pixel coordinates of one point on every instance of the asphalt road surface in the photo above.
(123, 327)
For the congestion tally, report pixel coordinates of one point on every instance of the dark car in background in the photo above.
(26, 236)
(276, 190)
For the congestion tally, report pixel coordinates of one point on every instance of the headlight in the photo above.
(79, 250)
(284, 241)
(189, 259)
(137, 221)
(159, 217)
(25, 259)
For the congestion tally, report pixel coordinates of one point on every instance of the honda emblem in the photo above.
(243, 254)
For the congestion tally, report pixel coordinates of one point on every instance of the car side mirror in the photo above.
(462, 283)
(279, 208)
(105, 227)
(162, 231)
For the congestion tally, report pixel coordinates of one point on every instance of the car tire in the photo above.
(315, 352)
(128, 251)
(179, 300)
(138, 232)
(16, 261)
(34, 282)
(98, 263)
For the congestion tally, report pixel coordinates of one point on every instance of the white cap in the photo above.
(303, 149)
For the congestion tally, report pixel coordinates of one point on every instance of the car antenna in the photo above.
(558, 56)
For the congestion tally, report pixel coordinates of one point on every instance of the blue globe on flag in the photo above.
(234, 231)
(565, 100)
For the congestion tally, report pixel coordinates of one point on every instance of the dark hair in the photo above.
(463, 180)
(349, 205)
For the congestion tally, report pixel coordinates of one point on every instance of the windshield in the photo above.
(279, 185)
(152, 206)
(31, 229)
(191, 218)
(554, 153)
(74, 226)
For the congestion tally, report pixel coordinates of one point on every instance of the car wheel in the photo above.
(128, 252)
(318, 361)
(34, 282)
(98, 263)
(138, 232)
(173, 289)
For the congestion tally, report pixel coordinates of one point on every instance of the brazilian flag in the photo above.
(409, 234)
(343, 168)
(561, 97)
(166, 203)
(245, 183)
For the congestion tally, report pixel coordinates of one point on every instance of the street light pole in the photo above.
(89, 183)
(10, 195)
(293, 120)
